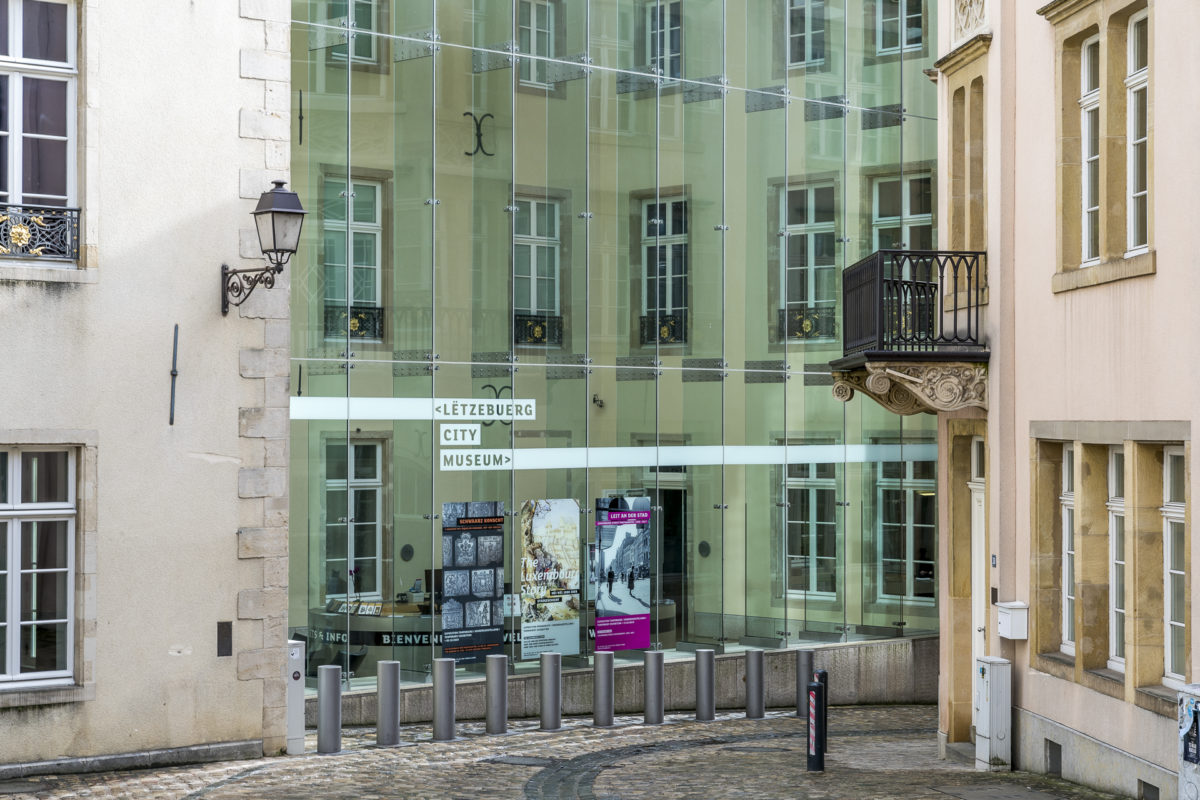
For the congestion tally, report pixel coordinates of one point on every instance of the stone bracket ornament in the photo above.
(916, 388)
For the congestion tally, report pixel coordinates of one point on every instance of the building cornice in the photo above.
(964, 54)
(1058, 10)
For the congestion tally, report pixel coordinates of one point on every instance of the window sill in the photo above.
(16, 696)
(1104, 272)
(1106, 681)
(1055, 663)
(1157, 698)
(34, 272)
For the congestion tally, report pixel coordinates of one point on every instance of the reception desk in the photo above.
(401, 633)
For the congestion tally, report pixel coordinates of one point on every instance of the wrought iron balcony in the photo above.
(537, 329)
(357, 322)
(912, 334)
(816, 321)
(913, 304)
(663, 328)
(39, 232)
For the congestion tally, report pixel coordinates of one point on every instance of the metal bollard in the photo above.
(823, 678)
(497, 694)
(652, 680)
(804, 675)
(754, 685)
(706, 684)
(602, 690)
(443, 699)
(551, 680)
(387, 689)
(816, 728)
(329, 708)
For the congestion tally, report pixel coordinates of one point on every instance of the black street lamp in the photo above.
(278, 217)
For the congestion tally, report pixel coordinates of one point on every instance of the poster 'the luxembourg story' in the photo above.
(549, 577)
(620, 570)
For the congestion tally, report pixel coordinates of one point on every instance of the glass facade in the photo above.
(591, 251)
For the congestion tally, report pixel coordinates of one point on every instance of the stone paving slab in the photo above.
(874, 752)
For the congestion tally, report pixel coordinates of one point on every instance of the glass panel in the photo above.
(44, 31)
(45, 167)
(1175, 530)
(1091, 57)
(44, 477)
(4, 50)
(44, 545)
(487, 25)
(1176, 475)
(44, 596)
(1178, 652)
(3, 489)
(1140, 59)
(43, 648)
(45, 110)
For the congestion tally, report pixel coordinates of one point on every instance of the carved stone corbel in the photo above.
(914, 388)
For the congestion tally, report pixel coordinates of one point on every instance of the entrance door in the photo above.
(674, 553)
(979, 559)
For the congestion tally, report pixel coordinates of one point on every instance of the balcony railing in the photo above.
(916, 302)
(39, 232)
(663, 328)
(359, 322)
(816, 321)
(537, 329)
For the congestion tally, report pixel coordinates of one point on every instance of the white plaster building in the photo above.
(143, 560)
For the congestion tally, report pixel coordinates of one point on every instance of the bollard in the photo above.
(329, 708)
(823, 677)
(804, 674)
(497, 694)
(602, 690)
(652, 680)
(754, 684)
(443, 699)
(295, 697)
(816, 732)
(706, 684)
(387, 689)
(551, 680)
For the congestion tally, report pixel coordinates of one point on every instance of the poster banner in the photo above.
(472, 580)
(550, 577)
(620, 571)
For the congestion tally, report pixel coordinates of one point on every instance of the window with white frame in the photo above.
(1066, 502)
(907, 546)
(37, 564)
(1116, 562)
(353, 519)
(812, 528)
(1137, 82)
(902, 212)
(536, 257)
(364, 16)
(352, 223)
(897, 25)
(1175, 600)
(806, 32)
(810, 273)
(664, 37)
(1089, 134)
(535, 37)
(37, 102)
(665, 250)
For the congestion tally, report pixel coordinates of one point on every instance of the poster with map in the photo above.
(472, 602)
(550, 596)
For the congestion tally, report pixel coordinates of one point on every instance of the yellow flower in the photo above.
(20, 235)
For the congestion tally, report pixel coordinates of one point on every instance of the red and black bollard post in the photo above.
(816, 727)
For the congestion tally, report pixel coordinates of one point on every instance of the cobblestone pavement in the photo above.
(874, 752)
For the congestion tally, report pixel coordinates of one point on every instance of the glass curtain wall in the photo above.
(562, 320)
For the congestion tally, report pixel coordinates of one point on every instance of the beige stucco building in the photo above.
(1065, 478)
(143, 515)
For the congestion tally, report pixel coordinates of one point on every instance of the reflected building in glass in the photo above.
(593, 251)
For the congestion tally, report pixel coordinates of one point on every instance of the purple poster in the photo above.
(620, 571)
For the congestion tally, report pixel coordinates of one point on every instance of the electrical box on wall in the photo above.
(993, 714)
(1012, 619)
